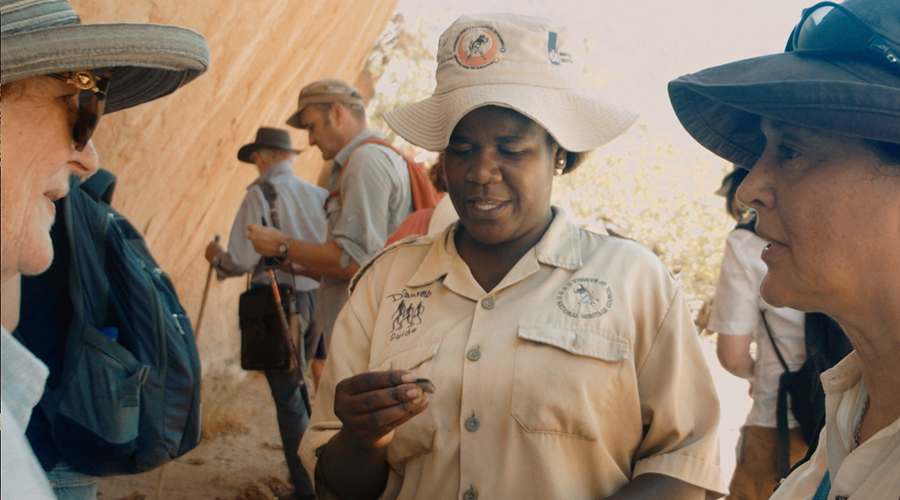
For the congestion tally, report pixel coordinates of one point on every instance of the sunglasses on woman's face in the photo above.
(90, 102)
(830, 28)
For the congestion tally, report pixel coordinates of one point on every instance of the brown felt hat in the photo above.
(267, 137)
(325, 91)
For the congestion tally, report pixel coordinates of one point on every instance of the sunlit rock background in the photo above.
(179, 178)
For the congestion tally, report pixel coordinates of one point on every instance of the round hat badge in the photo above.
(478, 47)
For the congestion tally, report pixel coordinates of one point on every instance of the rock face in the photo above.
(176, 158)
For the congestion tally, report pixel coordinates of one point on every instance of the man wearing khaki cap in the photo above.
(370, 196)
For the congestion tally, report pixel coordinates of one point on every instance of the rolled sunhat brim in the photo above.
(720, 107)
(147, 61)
(576, 121)
(246, 151)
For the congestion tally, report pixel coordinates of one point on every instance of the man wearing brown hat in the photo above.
(298, 204)
(370, 195)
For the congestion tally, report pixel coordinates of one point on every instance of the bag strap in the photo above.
(783, 457)
(423, 192)
(269, 193)
(772, 339)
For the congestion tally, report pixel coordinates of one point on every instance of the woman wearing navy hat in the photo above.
(819, 128)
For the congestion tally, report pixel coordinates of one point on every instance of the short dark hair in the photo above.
(573, 160)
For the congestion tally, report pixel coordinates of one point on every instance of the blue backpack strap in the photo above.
(824, 488)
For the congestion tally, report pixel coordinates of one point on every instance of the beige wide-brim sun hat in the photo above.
(146, 61)
(515, 61)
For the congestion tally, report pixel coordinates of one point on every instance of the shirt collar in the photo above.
(559, 247)
(345, 152)
(842, 376)
(279, 167)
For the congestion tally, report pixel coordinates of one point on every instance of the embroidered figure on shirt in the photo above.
(586, 298)
(583, 298)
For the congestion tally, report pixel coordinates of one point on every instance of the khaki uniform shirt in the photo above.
(579, 371)
(870, 471)
(375, 198)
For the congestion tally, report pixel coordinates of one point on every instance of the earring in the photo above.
(559, 170)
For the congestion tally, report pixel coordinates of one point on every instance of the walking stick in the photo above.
(290, 342)
(205, 294)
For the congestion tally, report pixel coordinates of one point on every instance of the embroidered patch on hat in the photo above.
(584, 298)
(551, 48)
(478, 47)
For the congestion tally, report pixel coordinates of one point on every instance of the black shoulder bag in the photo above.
(263, 345)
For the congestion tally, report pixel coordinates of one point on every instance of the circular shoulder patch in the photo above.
(478, 47)
(584, 298)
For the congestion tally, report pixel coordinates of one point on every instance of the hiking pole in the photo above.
(290, 342)
(205, 294)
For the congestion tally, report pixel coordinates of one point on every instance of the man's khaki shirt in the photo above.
(579, 371)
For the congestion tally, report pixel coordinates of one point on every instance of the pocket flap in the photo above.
(583, 342)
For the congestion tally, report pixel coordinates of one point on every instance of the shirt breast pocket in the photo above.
(564, 378)
(415, 437)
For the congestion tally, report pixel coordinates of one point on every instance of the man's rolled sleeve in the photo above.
(368, 183)
(240, 257)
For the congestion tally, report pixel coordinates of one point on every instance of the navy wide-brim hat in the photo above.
(843, 94)
(147, 61)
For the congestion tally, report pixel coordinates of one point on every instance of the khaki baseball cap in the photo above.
(325, 91)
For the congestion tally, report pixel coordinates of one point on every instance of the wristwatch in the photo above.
(283, 248)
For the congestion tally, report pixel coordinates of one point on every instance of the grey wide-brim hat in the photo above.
(848, 95)
(520, 62)
(147, 61)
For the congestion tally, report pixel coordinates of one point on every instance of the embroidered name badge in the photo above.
(478, 47)
(408, 310)
(584, 298)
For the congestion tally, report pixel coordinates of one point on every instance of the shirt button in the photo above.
(470, 494)
(473, 354)
(487, 303)
(472, 424)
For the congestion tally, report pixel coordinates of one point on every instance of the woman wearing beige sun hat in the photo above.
(514, 355)
(59, 77)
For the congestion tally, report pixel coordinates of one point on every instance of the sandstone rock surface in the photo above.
(179, 178)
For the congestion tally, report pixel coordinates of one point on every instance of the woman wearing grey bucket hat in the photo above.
(58, 77)
(514, 355)
(819, 128)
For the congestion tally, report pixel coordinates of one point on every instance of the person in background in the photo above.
(58, 78)
(299, 207)
(819, 128)
(370, 195)
(557, 362)
(742, 318)
(422, 221)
